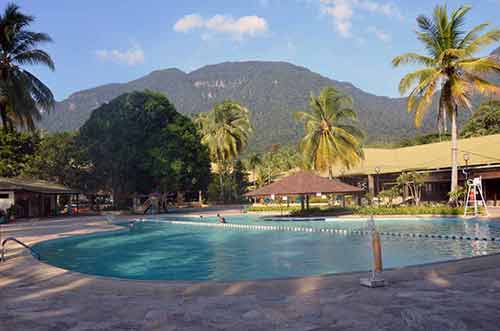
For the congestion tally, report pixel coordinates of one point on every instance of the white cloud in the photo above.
(380, 34)
(222, 24)
(131, 56)
(189, 22)
(343, 12)
(387, 9)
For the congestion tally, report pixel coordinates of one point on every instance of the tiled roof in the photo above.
(304, 182)
(39, 186)
(482, 151)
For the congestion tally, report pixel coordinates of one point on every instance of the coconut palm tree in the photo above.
(225, 131)
(450, 69)
(22, 95)
(252, 163)
(330, 137)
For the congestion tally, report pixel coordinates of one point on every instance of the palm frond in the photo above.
(412, 58)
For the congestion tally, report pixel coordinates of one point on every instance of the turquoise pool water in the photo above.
(158, 250)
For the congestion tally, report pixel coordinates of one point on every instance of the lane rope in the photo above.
(326, 230)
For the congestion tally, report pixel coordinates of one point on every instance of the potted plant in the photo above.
(11, 213)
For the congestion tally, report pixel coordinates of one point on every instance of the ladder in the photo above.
(4, 249)
(474, 191)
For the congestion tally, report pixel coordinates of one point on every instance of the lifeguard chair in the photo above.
(475, 191)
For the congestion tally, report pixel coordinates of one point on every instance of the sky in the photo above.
(98, 42)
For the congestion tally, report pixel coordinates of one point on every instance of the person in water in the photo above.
(221, 219)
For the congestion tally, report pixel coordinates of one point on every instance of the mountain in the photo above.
(272, 91)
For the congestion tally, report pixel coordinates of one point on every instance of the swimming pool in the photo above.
(156, 249)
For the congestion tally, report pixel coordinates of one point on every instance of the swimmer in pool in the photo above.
(221, 219)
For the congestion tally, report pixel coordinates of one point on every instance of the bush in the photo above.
(332, 211)
(409, 210)
(273, 208)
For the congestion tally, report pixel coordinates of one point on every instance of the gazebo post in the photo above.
(302, 202)
(307, 201)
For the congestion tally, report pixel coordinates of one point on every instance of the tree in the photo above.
(424, 139)
(411, 183)
(16, 151)
(484, 121)
(450, 69)
(22, 95)
(59, 159)
(139, 143)
(252, 163)
(225, 131)
(330, 137)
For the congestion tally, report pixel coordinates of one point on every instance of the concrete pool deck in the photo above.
(460, 295)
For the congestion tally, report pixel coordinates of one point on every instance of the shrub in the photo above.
(333, 211)
(274, 208)
(409, 210)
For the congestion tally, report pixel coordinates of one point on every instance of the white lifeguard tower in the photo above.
(474, 197)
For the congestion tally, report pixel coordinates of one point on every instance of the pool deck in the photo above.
(461, 295)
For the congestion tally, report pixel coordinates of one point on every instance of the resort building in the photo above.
(477, 157)
(33, 198)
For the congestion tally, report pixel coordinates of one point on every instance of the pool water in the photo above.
(158, 250)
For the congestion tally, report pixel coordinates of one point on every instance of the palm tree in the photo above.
(22, 95)
(450, 69)
(253, 161)
(225, 131)
(330, 137)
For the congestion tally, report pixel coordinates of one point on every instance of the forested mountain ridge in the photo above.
(272, 91)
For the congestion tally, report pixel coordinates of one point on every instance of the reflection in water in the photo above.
(154, 250)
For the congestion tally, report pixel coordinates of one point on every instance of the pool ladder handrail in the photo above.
(32, 251)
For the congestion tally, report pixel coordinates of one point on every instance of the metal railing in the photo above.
(32, 251)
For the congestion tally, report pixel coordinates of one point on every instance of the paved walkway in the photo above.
(462, 295)
(494, 212)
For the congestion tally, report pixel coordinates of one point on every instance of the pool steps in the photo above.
(325, 230)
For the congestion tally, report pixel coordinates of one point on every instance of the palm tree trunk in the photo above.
(3, 116)
(445, 124)
(454, 150)
(221, 186)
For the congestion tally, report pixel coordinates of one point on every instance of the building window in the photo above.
(4, 195)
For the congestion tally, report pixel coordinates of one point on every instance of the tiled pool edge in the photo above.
(463, 265)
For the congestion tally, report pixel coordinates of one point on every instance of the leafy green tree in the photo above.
(240, 181)
(450, 69)
(276, 161)
(139, 143)
(252, 163)
(16, 151)
(59, 159)
(330, 136)
(225, 131)
(22, 94)
(484, 121)
(424, 139)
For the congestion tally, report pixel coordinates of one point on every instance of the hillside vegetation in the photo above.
(272, 91)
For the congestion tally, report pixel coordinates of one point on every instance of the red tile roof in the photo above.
(304, 182)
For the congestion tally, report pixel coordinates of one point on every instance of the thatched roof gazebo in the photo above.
(304, 183)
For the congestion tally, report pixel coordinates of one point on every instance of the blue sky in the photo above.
(98, 42)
